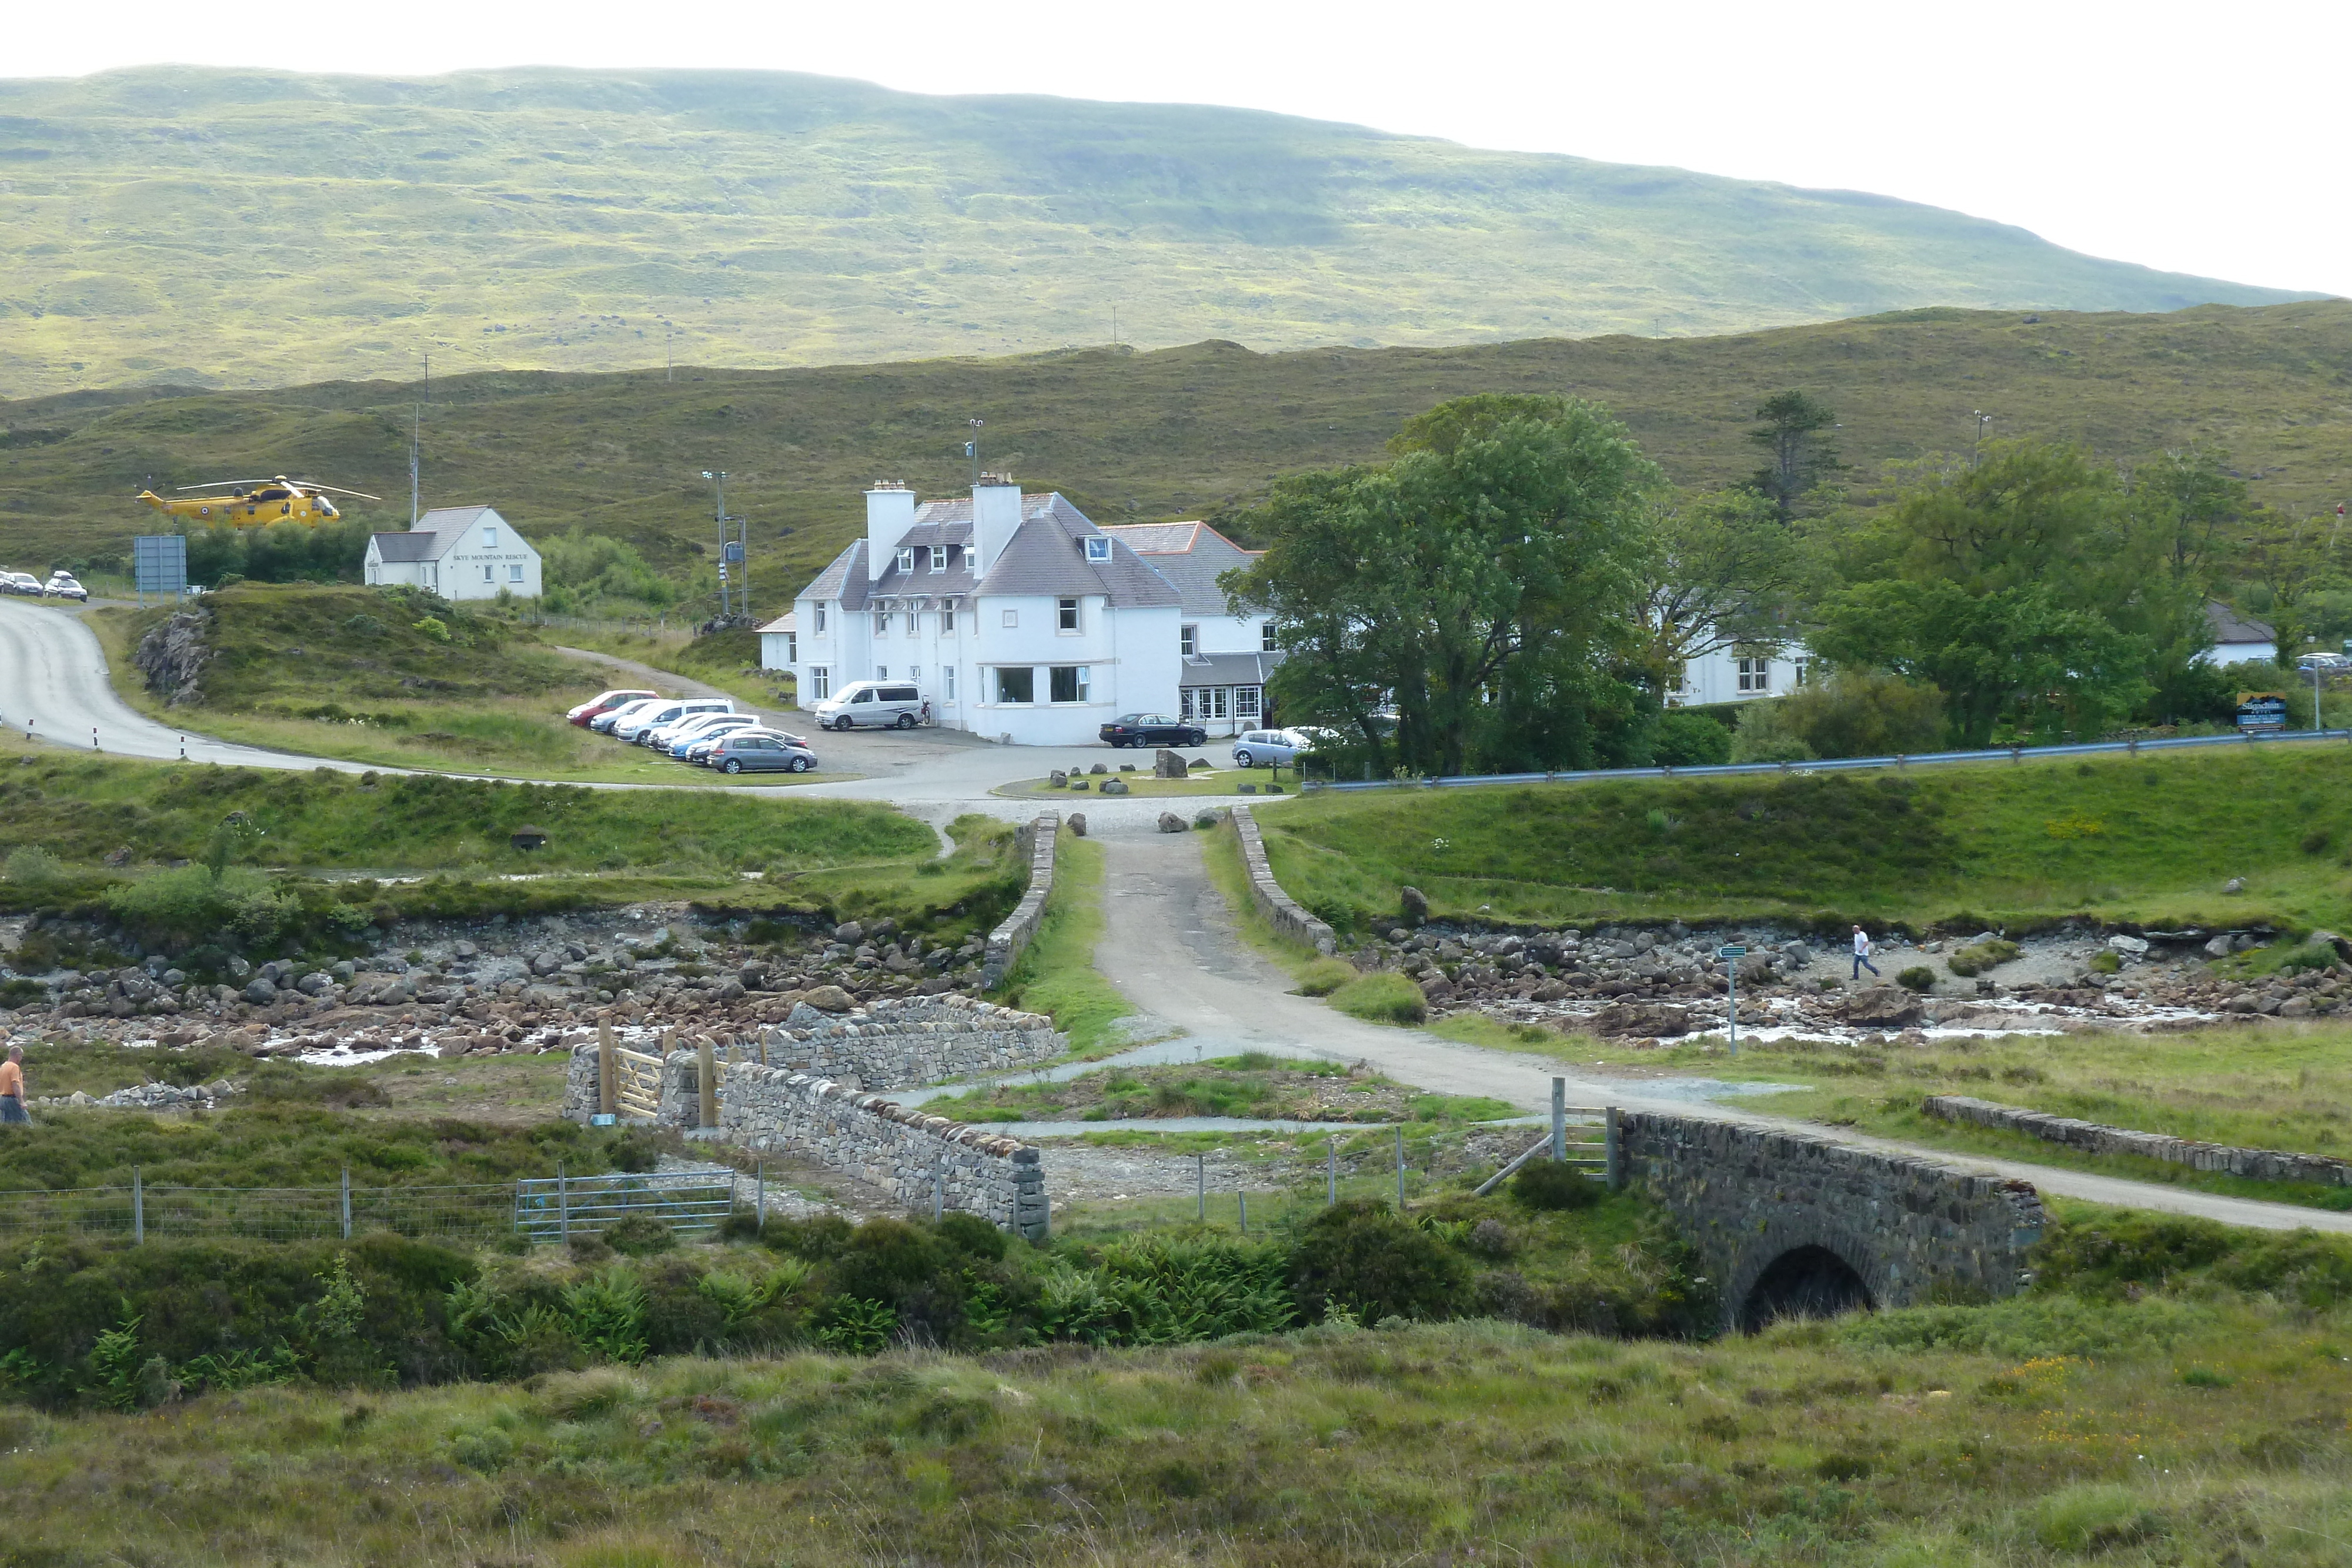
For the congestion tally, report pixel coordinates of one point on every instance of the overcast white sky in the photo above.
(2206, 139)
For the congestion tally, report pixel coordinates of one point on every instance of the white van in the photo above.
(874, 705)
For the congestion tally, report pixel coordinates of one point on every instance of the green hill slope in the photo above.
(1188, 431)
(251, 228)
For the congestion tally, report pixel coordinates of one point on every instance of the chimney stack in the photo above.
(995, 518)
(889, 514)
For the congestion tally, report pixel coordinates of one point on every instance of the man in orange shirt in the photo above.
(12, 1086)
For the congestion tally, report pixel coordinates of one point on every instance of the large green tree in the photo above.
(1794, 430)
(2024, 587)
(1483, 586)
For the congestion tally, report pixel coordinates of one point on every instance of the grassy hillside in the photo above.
(250, 228)
(1187, 432)
(2149, 841)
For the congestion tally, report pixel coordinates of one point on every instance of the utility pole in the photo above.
(416, 437)
(1983, 419)
(1114, 326)
(717, 478)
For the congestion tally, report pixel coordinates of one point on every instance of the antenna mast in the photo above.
(415, 425)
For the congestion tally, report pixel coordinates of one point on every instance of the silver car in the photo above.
(759, 751)
(1271, 748)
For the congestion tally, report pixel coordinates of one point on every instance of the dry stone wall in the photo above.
(1007, 942)
(1915, 1230)
(921, 1039)
(1282, 911)
(917, 1159)
(2091, 1137)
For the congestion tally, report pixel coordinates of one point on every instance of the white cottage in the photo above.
(457, 552)
(1017, 617)
(779, 643)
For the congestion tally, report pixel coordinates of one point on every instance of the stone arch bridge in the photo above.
(1792, 1224)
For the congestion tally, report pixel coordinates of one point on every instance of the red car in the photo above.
(606, 703)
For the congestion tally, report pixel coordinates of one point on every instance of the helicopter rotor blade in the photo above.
(333, 489)
(217, 483)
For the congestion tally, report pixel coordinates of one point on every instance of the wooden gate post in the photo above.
(705, 1071)
(608, 1072)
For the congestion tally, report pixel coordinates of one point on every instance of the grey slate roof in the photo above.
(2231, 628)
(1227, 669)
(434, 535)
(1044, 557)
(1190, 556)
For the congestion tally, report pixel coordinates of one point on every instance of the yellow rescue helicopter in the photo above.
(253, 503)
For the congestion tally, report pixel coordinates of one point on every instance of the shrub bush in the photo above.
(1979, 956)
(1361, 1257)
(2104, 963)
(1686, 739)
(1324, 975)
(1918, 977)
(1554, 1183)
(1855, 713)
(1382, 997)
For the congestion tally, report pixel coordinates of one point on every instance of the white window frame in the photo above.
(947, 680)
(906, 560)
(1083, 680)
(997, 685)
(818, 610)
(1246, 704)
(820, 682)
(1754, 675)
(881, 623)
(914, 623)
(1065, 617)
(881, 671)
(938, 558)
(489, 537)
(947, 620)
(915, 674)
(514, 572)
(1188, 641)
(1097, 548)
(1265, 638)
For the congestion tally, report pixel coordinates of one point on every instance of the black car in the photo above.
(1152, 729)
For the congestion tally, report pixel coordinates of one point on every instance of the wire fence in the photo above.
(1847, 764)
(542, 1208)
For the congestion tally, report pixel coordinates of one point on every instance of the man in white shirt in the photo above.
(1862, 954)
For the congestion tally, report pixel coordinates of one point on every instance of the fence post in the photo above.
(1616, 1159)
(763, 1197)
(562, 1204)
(1559, 1120)
(1201, 1185)
(1331, 1175)
(138, 1206)
(608, 1072)
(1399, 1167)
(1245, 1197)
(347, 1203)
(706, 1074)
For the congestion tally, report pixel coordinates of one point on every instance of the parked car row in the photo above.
(61, 585)
(705, 731)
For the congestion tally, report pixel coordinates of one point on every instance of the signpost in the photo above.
(2262, 710)
(1731, 955)
(159, 564)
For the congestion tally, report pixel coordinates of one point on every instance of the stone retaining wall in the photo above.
(1915, 1230)
(1006, 943)
(1283, 912)
(905, 1153)
(2091, 1137)
(898, 1044)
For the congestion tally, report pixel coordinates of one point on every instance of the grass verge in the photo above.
(1057, 974)
(2148, 840)
(1253, 1084)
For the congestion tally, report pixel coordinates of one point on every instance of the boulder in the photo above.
(849, 931)
(2235, 884)
(1098, 769)
(1115, 787)
(2134, 945)
(1169, 822)
(1644, 1019)
(2218, 947)
(1078, 820)
(1551, 991)
(1167, 764)
(1882, 1007)
(1057, 780)
(829, 999)
(1415, 905)
(261, 993)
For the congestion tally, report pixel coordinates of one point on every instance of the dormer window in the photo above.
(1097, 548)
(906, 560)
(938, 558)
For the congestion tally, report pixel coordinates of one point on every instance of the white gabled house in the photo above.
(779, 643)
(1017, 617)
(457, 552)
(1742, 673)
